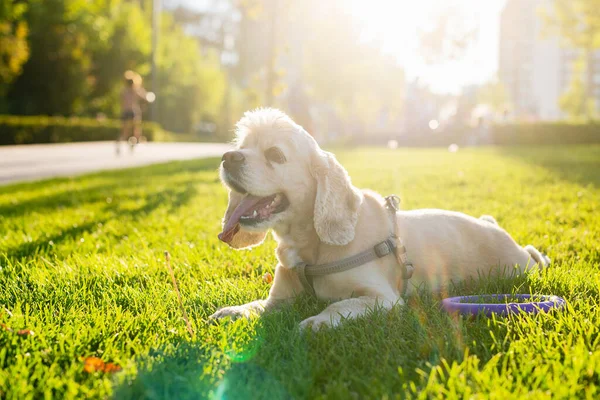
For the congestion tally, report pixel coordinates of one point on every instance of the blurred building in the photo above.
(591, 77)
(530, 67)
(535, 70)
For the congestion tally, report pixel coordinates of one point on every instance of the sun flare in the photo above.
(399, 23)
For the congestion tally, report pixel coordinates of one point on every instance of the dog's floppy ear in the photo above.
(241, 238)
(337, 202)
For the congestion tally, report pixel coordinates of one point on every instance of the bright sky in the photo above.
(399, 21)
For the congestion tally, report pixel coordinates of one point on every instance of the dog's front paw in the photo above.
(233, 312)
(317, 322)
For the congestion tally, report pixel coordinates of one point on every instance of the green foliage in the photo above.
(345, 71)
(322, 61)
(449, 37)
(82, 265)
(44, 129)
(123, 43)
(495, 95)
(191, 86)
(14, 49)
(576, 101)
(80, 50)
(55, 77)
(576, 21)
(556, 133)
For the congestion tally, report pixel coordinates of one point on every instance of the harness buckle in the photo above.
(382, 249)
(409, 271)
(392, 202)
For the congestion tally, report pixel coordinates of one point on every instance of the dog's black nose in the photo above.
(232, 160)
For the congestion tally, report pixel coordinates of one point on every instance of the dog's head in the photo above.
(278, 176)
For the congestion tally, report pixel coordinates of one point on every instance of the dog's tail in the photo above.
(542, 260)
(489, 219)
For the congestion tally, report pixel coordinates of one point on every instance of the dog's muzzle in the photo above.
(232, 162)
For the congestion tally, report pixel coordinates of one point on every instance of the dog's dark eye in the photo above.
(273, 154)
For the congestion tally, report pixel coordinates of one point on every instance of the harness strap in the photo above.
(391, 245)
(304, 280)
(379, 250)
(307, 272)
(392, 203)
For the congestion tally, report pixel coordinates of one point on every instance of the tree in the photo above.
(578, 24)
(191, 85)
(81, 48)
(256, 51)
(494, 94)
(341, 69)
(14, 49)
(575, 102)
(123, 43)
(576, 21)
(55, 77)
(448, 38)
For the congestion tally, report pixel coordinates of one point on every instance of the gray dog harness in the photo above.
(392, 245)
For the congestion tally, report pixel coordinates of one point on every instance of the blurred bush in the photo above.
(545, 133)
(44, 129)
(522, 133)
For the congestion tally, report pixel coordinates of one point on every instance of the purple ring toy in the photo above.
(464, 304)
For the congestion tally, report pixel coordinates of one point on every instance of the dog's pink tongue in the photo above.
(232, 225)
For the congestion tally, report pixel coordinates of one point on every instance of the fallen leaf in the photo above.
(267, 277)
(111, 367)
(94, 364)
(25, 332)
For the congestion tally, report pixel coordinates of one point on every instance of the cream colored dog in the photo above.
(280, 179)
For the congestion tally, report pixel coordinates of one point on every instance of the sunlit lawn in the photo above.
(82, 266)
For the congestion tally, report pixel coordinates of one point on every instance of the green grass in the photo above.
(81, 264)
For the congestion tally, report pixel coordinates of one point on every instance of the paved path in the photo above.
(38, 161)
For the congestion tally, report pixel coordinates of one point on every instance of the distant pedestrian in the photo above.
(132, 96)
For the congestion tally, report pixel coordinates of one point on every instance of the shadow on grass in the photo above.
(577, 164)
(172, 197)
(177, 372)
(129, 179)
(374, 356)
(279, 361)
(262, 359)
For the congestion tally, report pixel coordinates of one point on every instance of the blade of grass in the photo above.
(185, 317)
